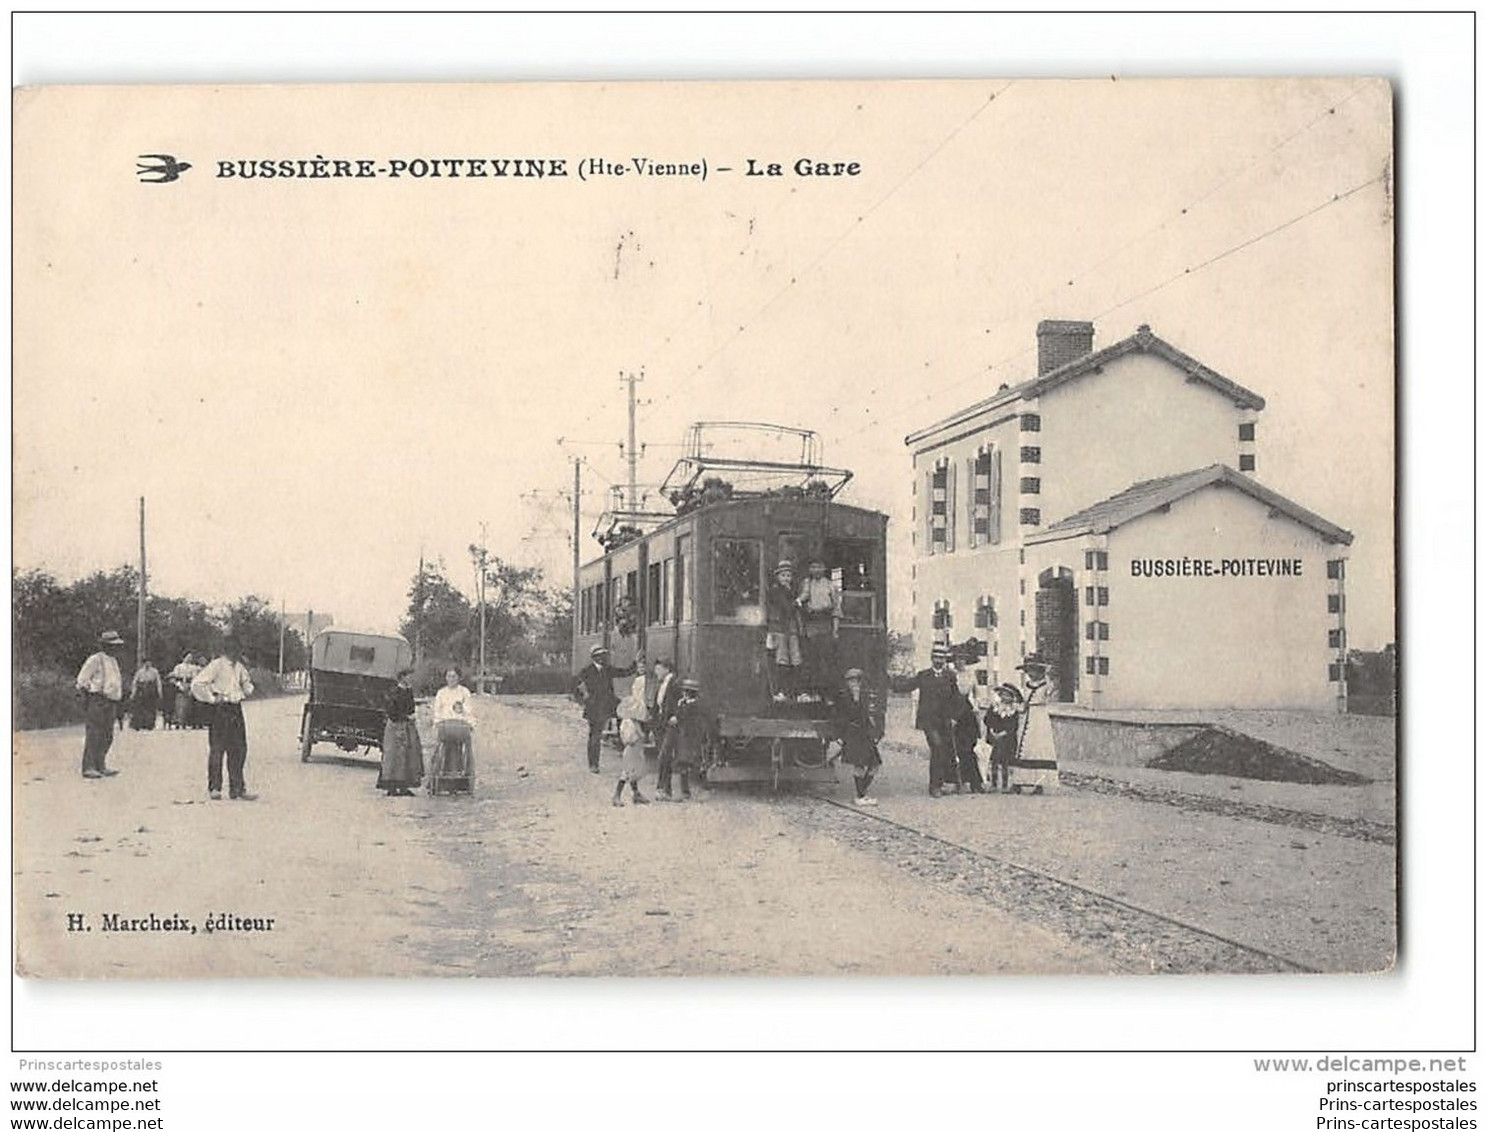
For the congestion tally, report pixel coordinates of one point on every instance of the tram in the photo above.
(690, 587)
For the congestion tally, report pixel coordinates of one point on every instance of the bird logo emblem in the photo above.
(160, 168)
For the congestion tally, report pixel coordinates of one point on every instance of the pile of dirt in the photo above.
(1217, 750)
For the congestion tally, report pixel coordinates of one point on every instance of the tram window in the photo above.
(795, 549)
(664, 608)
(736, 572)
(850, 564)
(683, 588)
(655, 601)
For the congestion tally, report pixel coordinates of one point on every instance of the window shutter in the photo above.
(994, 528)
(970, 503)
(929, 510)
(950, 506)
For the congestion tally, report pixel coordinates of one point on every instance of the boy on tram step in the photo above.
(782, 634)
(820, 604)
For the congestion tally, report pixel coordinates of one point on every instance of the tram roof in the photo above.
(722, 505)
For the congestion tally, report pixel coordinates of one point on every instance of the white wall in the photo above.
(1218, 641)
(1138, 419)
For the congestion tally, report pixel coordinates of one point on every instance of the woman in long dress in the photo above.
(144, 699)
(454, 731)
(402, 752)
(1036, 766)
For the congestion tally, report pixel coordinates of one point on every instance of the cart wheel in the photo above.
(305, 739)
(776, 757)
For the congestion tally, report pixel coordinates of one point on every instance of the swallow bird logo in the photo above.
(159, 168)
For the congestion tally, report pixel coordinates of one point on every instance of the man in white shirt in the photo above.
(224, 684)
(102, 685)
(820, 602)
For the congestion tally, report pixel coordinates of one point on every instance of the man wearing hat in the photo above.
(102, 686)
(593, 687)
(935, 715)
(820, 604)
(782, 634)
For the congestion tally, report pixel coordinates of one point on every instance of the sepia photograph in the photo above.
(713, 528)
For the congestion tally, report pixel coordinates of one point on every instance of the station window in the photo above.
(1334, 673)
(1031, 454)
(1335, 638)
(1246, 462)
(1335, 568)
(1029, 516)
(1097, 666)
(737, 564)
(1334, 603)
(1096, 560)
(1030, 422)
(1097, 630)
(1030, 485)
(1247, 430)
(985, 613)
(942, 618)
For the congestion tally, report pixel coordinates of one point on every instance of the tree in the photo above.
(437, 614)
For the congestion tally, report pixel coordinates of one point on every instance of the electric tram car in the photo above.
(692, 590)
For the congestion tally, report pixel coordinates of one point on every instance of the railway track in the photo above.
(1135, 938)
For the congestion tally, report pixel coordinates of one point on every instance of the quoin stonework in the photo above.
(1107, 514)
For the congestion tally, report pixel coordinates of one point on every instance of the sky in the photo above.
(314, 382)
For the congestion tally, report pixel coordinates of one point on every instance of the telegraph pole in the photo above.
(632, 454)
(480, 555)
(140, 649)
(283, 627)
(577, 497)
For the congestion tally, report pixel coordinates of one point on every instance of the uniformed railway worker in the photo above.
(593, 687)
(935, 715)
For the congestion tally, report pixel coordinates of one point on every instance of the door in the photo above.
(1056, 622)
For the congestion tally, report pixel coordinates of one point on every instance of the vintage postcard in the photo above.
(705, 528)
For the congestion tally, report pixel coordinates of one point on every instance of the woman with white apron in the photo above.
(1035, 768)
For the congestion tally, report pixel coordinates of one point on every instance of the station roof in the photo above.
(1143, 341)
(1151, 495)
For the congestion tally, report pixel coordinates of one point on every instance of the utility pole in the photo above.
(577, 498)
(481, 556)
(141, 650)
(418, 615)
(283, 627)
(632, 453)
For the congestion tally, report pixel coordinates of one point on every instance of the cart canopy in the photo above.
(360, 654)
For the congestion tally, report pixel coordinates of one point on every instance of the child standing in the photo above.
(859, 736)
(1003, 720)
(695, 728)
(632, 713)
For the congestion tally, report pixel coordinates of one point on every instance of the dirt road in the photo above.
(539, 874)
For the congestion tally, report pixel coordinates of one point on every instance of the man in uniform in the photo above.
(935, 715)
(593, 687)
(102, 685)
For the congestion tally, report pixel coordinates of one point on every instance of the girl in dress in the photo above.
(632, 713)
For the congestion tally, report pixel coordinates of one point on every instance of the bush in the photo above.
(45, 698)
(546, 681)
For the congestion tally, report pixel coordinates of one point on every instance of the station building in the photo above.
(1106, 514)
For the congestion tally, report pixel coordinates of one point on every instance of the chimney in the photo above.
(1061, 342)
